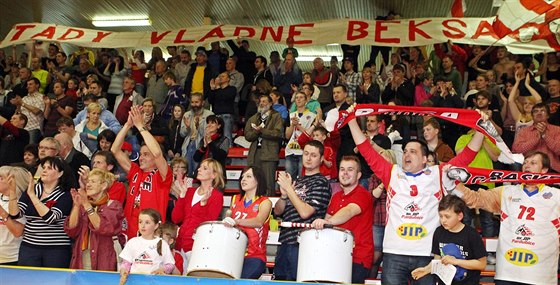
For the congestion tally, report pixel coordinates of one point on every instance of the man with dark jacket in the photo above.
(198, 79)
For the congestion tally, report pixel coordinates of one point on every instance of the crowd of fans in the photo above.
(118, 145)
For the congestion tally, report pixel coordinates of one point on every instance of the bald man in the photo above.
(73, 157)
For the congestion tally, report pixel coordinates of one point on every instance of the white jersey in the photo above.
(529, 232)
(307, 118)
(143, 255)
(412, 211)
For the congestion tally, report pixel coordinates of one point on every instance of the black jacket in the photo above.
(206, 83)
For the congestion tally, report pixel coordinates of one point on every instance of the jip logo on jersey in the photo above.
(521, 257)
(411, 231)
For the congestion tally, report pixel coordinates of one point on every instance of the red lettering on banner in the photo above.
(179, 38)
(413, 30)
(359, 27)
(47, 33)
(155, 39)
(276, 35)
(100, 36)
(484, 29)
(293, 32)
(66, 36)
(380, 26)
(215, 32)
(20, 29)
(250, 32)
(458, 33)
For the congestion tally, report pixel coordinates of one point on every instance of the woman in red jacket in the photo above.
(198, 205)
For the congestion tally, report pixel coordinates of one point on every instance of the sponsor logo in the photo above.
(412, 207)
(547, 195)
(523, 230)
(521, 257)
(411, 231)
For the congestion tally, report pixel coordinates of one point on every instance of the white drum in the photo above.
(325, 256)
(218, 251)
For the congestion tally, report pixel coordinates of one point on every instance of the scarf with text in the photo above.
(468, 118)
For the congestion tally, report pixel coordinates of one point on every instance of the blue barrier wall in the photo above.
(40, 276)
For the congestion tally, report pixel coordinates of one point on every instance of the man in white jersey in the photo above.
(530, 225)
(413, 194)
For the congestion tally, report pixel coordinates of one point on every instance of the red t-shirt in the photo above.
(257, 236)
(117, 192)
(151, 190)
(137, 74)
(360, 225)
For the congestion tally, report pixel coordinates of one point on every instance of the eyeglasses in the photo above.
(42, 147)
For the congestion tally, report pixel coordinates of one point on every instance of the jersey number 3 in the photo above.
(413, 190)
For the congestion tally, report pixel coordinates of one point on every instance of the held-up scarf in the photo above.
(468, 118)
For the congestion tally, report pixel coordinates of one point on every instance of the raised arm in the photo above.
(489, 200)
(122, 158)
(381, 167)
(149, 140)
(512, 100)
(532, 90)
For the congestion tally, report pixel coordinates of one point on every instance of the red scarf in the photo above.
(468, 118)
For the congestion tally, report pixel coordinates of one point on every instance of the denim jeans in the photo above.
(253, 268)
(285, 265)
(133, 140)
(192, 165)
(228, 126)
(35, 136)
(486, 218)
(294, 163)
(364, 182)
(139, 88)
(397, 269)
(359, 273)
(378, 234)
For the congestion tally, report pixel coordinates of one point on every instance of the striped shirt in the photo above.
(313, 190)
(49, 229)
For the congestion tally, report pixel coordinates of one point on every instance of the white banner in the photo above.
(404, 32)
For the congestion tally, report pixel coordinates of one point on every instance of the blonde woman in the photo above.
(93, 222)
(91, 127)
(199, 204)
(12, 180)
